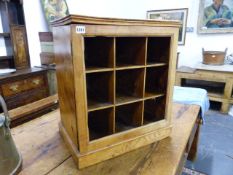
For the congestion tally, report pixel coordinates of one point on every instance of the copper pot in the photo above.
(214, 57)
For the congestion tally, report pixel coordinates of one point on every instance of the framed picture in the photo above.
(172, 14)
(215, 16)
(54, 9)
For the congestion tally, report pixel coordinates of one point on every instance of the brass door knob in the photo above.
(14, 87)
(36, 81)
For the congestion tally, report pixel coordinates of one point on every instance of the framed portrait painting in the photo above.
(172, 14)
(215, 16)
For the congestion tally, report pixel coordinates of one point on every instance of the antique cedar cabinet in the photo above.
(115, 84)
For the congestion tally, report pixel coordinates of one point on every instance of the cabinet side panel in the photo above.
(65, 80)
(171, 73)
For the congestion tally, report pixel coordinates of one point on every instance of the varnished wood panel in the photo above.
(44, 151)
(16, 87)
(222, 78)
(80, 90)
(33, 107)
(24, 86)
(95, 30)
(20, 47)
(26, 98)
(65, 80)
(79, 19)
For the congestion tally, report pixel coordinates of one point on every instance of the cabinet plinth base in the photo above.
(94, 157)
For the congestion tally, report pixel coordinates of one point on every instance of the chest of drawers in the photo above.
(24, 86)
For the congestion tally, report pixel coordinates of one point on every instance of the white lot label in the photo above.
(80, 29)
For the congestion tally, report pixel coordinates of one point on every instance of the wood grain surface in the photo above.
(44, 151)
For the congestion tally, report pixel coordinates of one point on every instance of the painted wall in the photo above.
(190, 54)
(2, 43)
(35, 22)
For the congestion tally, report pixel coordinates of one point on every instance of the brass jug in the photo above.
(10, 158)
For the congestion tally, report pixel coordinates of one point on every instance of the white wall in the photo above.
(190, 54)
(2, 43)
(35, 22)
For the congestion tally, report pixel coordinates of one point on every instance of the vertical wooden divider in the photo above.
(138, 113)
(144, 82)
(114, 84)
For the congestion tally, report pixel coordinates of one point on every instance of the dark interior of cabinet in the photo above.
(158, 50)
(99, 89)
(210, 86)
(11, 14)
(129, 85)
(6, 62)
(124, 97)
(100, 123)
(215, 105)
(128, 116)
(15, 10)
(99, 52)
(154, 109)
(130, 51)
(156, 80)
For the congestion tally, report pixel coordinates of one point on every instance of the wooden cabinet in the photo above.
(24, 86)
(218, 83)
(16, 54)
(115, 84)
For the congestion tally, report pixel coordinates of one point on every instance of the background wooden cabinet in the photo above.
(24, 86)
(14, 35)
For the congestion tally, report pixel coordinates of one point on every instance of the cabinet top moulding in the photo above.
(79, 19)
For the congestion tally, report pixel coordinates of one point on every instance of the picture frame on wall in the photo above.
(54, 9)
(172, 14)
(215, 16)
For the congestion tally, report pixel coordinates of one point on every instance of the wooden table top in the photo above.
(44, 151)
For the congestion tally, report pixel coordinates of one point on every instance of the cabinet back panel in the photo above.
(100, 123)
(128, 116)
(156, 79)
(158, 49)
(154, 110)
(130, 51)
(100, 88)
(99, 51)
(130, 82)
